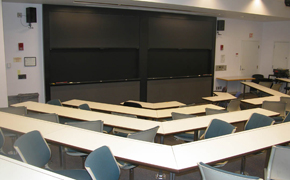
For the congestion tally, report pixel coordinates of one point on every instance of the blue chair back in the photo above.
(258, 120)
(132, 104)
(212, 173)
(46, 117)
(287, 118)
(146, 135)
(176, 116)
(218, 128)
(21, 110)
(210, 111)
(89, 125)
(33, 149)
(84, 107)
(56, 102)
(2, 140)
(101, 164)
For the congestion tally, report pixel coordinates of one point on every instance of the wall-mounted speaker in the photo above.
(31, 15)
(287, 2)
(221, 25)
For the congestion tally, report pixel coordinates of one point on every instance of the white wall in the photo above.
(3, 86)
(14, 33)
(273, 32)
(235, 32)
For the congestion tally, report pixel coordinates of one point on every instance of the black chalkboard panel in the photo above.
(84, 65)
(178, 62)
(180, 33)
(90, 30)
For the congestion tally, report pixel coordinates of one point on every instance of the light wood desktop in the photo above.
(233, 145)
(235, 78)
(154, 114)
(14, 170)
(175, 159)
(263, 88)
(197, 123)
(159, 105)
(283, 79)
(84, 115)
(259, 101)
(220, 96)
(166, 128)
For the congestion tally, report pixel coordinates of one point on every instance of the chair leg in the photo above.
(83, 160)
(131, 174)
(243, 164)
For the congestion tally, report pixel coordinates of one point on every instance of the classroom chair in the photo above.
(88, 125)
(132, 104)
(276, 106)
(287, 101)
(106, 129)
(34, 150)
(56, 102)
(279, 163)
(146, 135)
(101, 164)
(187, 136)
(255, 121)
(2, 142)
(119, 131)
(211, 173)
(210, 111)
(234, 105)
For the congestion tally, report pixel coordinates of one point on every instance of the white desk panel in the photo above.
(259, 101)
(203, 121)
(25, 124)
(114, 108)
(220, 96)
(264, 89)
(14, 170)
(225, 147)
(140, 152)
(84, 115)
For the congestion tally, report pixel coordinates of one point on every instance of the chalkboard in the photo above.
(90, 30)
(180, 33)
(84, 65)
(178, 62)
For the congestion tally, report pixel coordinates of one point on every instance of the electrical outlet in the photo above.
(19, 15)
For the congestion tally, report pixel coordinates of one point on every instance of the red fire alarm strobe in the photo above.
(20, 46)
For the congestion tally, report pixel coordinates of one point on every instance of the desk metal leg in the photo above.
(161, 139)
(195, 137)
(244, 91)
(172, 176)
(160, 175)
(243, 164)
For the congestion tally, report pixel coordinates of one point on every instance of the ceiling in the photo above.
(182, 6)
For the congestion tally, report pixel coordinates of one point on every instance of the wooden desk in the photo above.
(220, 96)
(154, 114)
(174, 159)
(197, 123)
(283, 79)
(235, 78)
(148, 113)
(83, 115)
(159, 105)
(259, 101)
(229, 146)
(263, 88)
(14, 170)
(166, 113)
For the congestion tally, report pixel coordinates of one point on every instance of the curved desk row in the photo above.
(142, 112)
(175, 159)
(166, 128)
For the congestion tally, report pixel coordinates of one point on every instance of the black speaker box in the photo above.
(221, 25)
(31, 15)
(287, 2)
